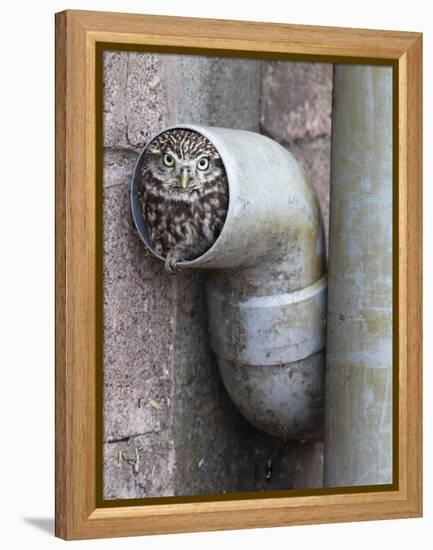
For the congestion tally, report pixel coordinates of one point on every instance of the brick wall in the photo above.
(169, 426)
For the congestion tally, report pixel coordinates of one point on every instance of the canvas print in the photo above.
(247, 275)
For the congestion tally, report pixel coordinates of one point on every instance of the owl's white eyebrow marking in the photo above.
(169, 151)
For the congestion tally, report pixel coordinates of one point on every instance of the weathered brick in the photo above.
(296, 111)
(135, 102)
(138, 341)
(169, 426)
(315, 158)
(296, 100)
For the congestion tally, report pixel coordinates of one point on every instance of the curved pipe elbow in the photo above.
(266, 288)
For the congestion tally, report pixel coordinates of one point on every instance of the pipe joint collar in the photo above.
(255, 331)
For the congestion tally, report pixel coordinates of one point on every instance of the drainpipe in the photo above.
(358, 416)
(266, 288)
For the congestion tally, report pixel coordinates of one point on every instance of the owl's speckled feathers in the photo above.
(184, 194)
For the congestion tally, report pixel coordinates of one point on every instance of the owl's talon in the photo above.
(170, 264)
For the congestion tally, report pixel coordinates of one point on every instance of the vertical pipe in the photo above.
(358, 416)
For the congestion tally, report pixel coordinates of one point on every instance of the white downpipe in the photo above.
(267, 285)
(358, 415)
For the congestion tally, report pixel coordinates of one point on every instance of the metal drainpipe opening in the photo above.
(266, 288)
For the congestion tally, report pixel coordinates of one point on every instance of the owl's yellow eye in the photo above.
(168, 160)
(203, 163)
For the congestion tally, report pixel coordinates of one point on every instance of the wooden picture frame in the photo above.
(79, 37)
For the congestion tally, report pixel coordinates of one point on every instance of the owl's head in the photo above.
(182, 162)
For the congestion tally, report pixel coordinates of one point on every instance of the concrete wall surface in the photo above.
(296, 111)
(169, 426)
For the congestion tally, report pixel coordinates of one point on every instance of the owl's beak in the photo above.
(184, 177)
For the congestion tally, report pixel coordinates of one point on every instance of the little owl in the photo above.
(184, 195)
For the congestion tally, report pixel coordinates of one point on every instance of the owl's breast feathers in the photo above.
(189, 225)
